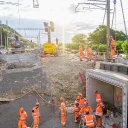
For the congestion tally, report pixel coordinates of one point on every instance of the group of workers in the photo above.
(82, 109)
(89, 52)
(23, 117)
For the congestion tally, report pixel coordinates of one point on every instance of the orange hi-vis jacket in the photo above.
(81, 102)
(22, 116)
(36, 113)
(98, 98)
(81, 51)
(63, 108)
(89, 120)
(76, 109)
(99, 111)
(83, 109)
(113, 44)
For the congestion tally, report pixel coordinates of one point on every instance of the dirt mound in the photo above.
(63, 71)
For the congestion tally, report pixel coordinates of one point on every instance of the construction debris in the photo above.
(63, 71)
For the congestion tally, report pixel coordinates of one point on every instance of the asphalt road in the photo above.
(9, 114)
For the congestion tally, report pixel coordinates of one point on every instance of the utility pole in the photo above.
(1, 42)
(124, 20)
(39, 39)
(108, 28)
(49, 29)
(49, 35)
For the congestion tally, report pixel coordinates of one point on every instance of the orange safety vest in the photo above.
(83, 109)
(76, 109)
(98, 98)
(63, 108)
(23, 116)
(81, 102)
(89, 120)
(99, 111)
(36, 113)
(113, 44)
(81, 51)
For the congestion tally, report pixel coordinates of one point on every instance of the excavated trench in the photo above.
(19, 81)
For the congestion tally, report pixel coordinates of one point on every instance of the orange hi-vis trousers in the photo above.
(36, 122)
(63, 119)
(21, 124)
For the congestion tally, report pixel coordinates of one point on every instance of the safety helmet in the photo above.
(21, 109)
(37, 103)
(86, 110)
(80, 94)
(61, 99)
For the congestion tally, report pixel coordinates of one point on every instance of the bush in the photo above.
(94, 47)
(102, 47)
(119, 46)
(125, 47)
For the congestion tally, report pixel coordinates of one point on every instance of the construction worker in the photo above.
(112, 47)
(98, 97)
(63, 112)
(36, 115)
(76, 109)
(99, 114)
(22, 118)
(81, 53)
(88, 52)
(81, 101)
(83, 109)
(88, 119)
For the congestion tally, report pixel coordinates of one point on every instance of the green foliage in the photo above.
(102, 47)
(119, 46)
(73, 46)
(98, 36)
(79, 38)
(94, 47)
(125, 47)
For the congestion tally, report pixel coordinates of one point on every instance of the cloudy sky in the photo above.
(62, 12)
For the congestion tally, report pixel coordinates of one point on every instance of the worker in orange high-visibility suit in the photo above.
(81, 53)
(88, 119)
(81, 101)
(63, 112)
(83, 109)
(22, 118)
(90, 53)
(76, 109)
(98, 97)
(99, 114)
(113, 46)
(36, 115)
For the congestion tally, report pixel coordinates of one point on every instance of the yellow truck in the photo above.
(50, 48)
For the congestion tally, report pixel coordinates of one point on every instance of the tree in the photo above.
(79, 38)
(98, 36)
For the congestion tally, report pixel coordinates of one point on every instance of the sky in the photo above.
(62, 12)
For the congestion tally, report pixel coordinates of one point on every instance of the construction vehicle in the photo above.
(111, 81)
(50, 48)
(17, 46)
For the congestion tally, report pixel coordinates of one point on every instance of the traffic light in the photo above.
(52, 26)
(46, 26)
